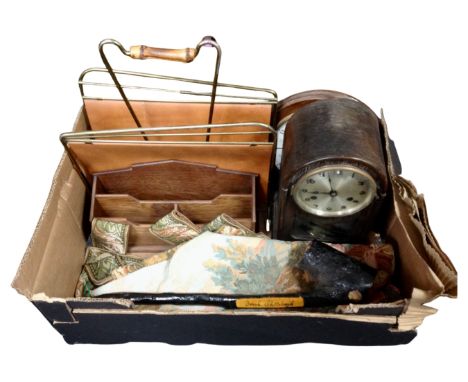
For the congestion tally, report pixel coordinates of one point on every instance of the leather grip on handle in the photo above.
(142, 52)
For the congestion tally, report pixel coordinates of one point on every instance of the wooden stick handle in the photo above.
(142, 52)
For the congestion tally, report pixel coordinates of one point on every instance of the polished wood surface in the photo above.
(98, 157)
(144, 193)
(113, 114)
(173, 180)
(291, 104)
(342, 131)
(330, 132)
(199, 211)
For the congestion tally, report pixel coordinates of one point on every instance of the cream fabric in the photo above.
(218, 264)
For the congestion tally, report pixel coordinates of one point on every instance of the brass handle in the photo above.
(143, 52)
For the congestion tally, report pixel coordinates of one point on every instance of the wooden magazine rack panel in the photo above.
(144, 193)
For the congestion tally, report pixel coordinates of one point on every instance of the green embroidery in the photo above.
(174, 228)
(241, 269)
(87, 288)
(110, 236)
(226, 225)
(102, 266)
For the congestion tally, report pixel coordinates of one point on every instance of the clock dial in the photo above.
(334, 191)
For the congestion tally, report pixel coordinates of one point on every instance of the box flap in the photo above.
(47, 248)
(415, 312)
(417, 221)
(417, 245)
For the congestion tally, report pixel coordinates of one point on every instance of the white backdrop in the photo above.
(407, 57)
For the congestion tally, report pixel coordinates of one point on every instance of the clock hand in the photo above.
(329, 181)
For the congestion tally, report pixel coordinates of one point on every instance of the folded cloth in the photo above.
(218, 264)
(226, 225)
(110, 236)
(103, 266)
(213, 264)
(84, 286)
(175, 228)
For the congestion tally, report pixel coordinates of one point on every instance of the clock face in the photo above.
(333, 191)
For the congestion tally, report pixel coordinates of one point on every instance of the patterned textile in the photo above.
(84, 286)
(110, 236)
(226, 225)
(102, 266)
(174, 228)
(215, 263)
(377, 256)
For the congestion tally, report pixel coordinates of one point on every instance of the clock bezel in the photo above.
(333, 214)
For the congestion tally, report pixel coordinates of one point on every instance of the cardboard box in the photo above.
(59, 241)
